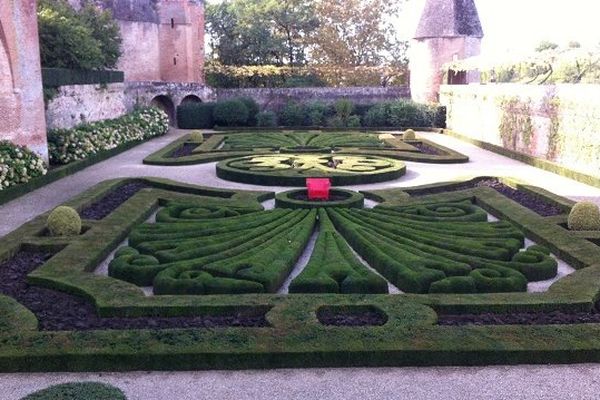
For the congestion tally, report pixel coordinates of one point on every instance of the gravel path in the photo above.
(578, 382)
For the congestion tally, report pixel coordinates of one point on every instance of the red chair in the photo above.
(318, 188)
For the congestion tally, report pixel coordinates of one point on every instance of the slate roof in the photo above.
(449, 18)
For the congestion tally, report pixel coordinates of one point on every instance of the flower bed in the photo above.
(68, 145)
(18, 165)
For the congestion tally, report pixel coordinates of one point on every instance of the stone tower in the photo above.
(163, 40)
(22, 119)
(449, 30)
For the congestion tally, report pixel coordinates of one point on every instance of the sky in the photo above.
(519, 25)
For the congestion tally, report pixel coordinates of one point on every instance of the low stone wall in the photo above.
(275, 99)
(558, 123)
(78, 104)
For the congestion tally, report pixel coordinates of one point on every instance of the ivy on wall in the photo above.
(516, 126)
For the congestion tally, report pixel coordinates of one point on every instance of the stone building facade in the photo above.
(22, 118)
(163, 40)
(448, 30)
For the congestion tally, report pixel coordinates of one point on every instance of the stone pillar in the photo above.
(22, 118)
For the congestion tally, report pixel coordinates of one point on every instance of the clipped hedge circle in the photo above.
(347, 199)
(293, 169)
(78, 391)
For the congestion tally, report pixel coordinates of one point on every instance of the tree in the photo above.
(356, 32)
(546, 45)
(260, 32)
(89, 39)
(294, 21)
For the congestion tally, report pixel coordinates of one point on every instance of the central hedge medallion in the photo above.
(293, 169)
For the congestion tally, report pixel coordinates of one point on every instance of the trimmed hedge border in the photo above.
(533, 161)
(285, 200)
(62, 171)
(291, 177)
(295, 337)
(209, 151)
(56, 77)
(78, 391)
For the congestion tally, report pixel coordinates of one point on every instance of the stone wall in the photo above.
(78, 104)
(21, 100)
(275, 99)
(559, 123)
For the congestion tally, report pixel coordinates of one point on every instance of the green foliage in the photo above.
(253, 109)
(333, 268)
(292, 169)
(196, 137)
(316, 112)
(546, 45)
(18, 164)
(423, 248)
(584, 216)
(297, 141)
(516, 125)
(409, 134)
(64, 221)
(78, 391)
(231, 113)
(68, 145)
(259, 32)
(293, 114)
(89, 39)
(194, 249)
(405, 113)
(195, 116)
(266, 119)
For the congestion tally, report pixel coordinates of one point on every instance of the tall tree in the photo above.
(260, 32)
(356, 32)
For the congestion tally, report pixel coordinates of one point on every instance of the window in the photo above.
(172, 23)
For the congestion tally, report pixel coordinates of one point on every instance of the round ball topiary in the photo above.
(64, 221)
(78, 391)
(584, 216)
(409, 134)
(196, 137)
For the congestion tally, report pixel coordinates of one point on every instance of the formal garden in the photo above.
(190, 235)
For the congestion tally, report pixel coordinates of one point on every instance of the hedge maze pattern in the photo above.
(229, 145)
(430, 248)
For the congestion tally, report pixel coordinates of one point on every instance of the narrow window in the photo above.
(174, 60)
(172, 23)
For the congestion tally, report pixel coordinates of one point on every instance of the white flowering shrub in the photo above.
(18, 164)
(68, 145)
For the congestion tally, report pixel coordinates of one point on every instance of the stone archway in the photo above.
(166, 104)
(192, 98)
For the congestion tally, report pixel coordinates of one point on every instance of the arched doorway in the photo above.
(192, 98)
(166, 104)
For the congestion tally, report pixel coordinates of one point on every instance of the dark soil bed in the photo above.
(338, 318)
(426, 149)
(540, 318)
(534, 203)
(185, 150)
(60, 311)
(112, 201)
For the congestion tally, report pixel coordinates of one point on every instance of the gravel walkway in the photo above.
(516, 382)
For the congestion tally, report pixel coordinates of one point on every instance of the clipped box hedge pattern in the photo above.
(239, 144)
(294, 337)
(293, 169)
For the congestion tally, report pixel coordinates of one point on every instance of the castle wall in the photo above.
(557, 123)
(427, 58)
(22, 118)
(140, 51)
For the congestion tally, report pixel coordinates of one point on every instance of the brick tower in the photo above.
(22, 119)
(449, 30)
